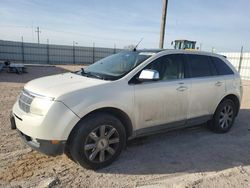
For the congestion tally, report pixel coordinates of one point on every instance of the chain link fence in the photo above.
(241, 61)
(31, 53)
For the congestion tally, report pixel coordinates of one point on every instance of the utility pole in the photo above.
(163, 22)
(48, 51)
(114, 48)
(93, 52)
(241, 58)
(38, 31)
(74, 53)
(22, 49)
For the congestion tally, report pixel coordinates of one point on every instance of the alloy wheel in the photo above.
(226, 117)
(101, 143)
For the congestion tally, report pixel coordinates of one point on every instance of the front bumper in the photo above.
(56, 124)
(43, 146)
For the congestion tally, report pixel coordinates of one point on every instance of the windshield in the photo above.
(116, 66)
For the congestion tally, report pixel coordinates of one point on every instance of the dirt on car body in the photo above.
(192, 157)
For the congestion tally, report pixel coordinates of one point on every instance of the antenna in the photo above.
(137, 44)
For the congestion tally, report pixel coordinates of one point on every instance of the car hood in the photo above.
(57, 85)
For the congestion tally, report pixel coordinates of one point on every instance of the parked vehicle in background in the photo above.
(90, 114)
(183, 44)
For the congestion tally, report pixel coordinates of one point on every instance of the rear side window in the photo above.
(222, 67)
(200, 66)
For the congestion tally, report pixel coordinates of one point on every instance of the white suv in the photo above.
(90, 114)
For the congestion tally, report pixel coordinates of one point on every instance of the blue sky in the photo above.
(223, 24)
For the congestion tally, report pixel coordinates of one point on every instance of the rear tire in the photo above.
(97, 141)
(223, 117)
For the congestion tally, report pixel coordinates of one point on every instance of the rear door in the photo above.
(228, 75)
(207, 87)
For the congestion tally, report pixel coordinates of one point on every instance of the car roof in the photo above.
(150, 50)
(180, 51)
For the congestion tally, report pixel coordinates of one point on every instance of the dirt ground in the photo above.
(193, 157)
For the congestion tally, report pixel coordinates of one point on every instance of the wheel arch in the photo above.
(235, 100)
(121, 115)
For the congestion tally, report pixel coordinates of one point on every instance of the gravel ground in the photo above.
(193, 157)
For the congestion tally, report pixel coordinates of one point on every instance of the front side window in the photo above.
(200, 66)
(170, 67)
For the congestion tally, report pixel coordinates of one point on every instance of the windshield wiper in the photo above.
(95, 75)
(82, 71)
(91, 74)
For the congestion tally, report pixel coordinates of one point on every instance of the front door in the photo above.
(166, 100)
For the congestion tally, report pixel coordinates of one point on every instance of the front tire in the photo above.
(97, 141)
(224, 117)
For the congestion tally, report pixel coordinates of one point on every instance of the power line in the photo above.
(99, 39)
(38, 31)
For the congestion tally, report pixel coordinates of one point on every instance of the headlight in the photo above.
(40, 106)
(34, 103)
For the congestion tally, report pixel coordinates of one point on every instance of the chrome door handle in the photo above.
(181, 88)
(218, 83)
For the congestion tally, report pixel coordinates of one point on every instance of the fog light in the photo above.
(54, 141)
(35, 142)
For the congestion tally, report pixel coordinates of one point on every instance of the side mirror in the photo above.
(149, 75)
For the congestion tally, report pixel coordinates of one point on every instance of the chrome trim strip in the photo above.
(38, 95)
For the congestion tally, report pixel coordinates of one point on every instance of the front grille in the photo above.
(25, 101)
